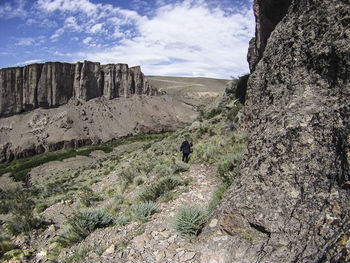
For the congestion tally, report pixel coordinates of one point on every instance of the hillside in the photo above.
(123, 204)
(202, 93)
(83, 122)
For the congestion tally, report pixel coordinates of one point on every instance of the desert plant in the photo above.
(5, 245)
(154, 191)
(189, 221)
(21, 206)
(217, 196)
(214, 112)
(228, 168)
(121, 220)
(139, 180)
(87, 196)
(180, 167)
(82, 224)
(232, 113)
(144, 210)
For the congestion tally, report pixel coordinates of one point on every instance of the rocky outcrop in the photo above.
(291, 201)
(53, 84)
(268, 14)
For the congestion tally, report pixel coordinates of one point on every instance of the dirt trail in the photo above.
(159, 241)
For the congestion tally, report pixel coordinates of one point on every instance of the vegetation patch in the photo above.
(144, 210)
(20, 168)
(157, 189)
(82, 224)
(190, 220)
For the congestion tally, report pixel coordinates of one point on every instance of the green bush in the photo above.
(87, 196)
(229, 167)
(139, 180)
(20, 204)
(214, 112)
(154, 191)
(180, 167)
(189, 221)
(122, 220)
(144, 210)
(217, 196)
(82, 224)
(128, 174)
(5, 245)
(232, 113)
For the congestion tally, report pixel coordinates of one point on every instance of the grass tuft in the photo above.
(189, 221)
(144, 210)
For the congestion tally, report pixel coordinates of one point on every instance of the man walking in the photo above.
(186, 150)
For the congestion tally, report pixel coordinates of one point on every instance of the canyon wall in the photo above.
(53, 84)
(291, 201)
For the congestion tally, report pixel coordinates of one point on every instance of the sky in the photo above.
(193, 38)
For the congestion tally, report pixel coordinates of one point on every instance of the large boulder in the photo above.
(291, 202)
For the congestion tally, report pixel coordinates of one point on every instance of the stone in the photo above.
(213, 222)
(188, 256)
(298, 116)
(109, 250)
(54, 83)
(159, 255)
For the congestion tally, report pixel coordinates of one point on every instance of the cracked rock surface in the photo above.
(291, 202)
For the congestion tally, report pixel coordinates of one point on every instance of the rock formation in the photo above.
(291, 202)
(52, 84)
(268, 14)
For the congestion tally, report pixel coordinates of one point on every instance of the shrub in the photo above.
(228, 168)
(5, 245)
(87, 196)
(154, 191)
(180, 167)
(20, 204)
(121, 221)
(217, 196)
(128, 175)
(232, 113)
(214, 112)
(144, 210)
(82, 224)
(189, 221)
(138, 180)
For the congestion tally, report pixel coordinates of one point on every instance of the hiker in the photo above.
(186, 148)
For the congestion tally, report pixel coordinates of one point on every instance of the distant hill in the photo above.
(198, 92)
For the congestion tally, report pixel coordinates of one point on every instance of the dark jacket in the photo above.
(185, 147)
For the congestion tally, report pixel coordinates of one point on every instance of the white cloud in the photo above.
(87, 40)
(57, 34)
(185, 39)
(14, 9)
(32, 61)
(95, 29)
(189, 37)
(84, 6)
(71, 23)
(25, 41)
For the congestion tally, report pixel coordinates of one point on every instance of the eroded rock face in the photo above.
(291, 202)
(52, 84)
(268, 14)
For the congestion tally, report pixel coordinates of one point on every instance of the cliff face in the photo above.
(291, 201)
(268, 14)
(52, 84)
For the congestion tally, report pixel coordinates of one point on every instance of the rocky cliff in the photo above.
(52, 84)
(291, 201)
